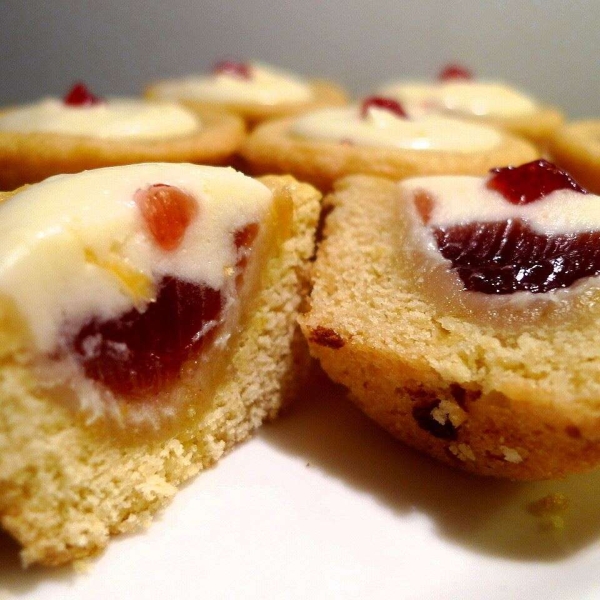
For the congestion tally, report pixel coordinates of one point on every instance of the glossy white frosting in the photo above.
(266, 86)
(64, 241)
(459, 200)
(480, 98)
(383, 128)
(116, 118)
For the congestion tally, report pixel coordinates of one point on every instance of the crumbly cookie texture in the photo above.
(324, 93)
(576, 148)
(32, 157)
(516, 402)
(271, 148)
(65, 489)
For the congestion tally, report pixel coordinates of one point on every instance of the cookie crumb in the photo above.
(424, 416)
(449, 411)
(550, 509)
(511, 455)
(82, 566)
(462, 452)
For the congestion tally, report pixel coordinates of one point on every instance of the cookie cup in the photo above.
(67, 484)
(538, 127)
(32, 157)
(517, 400)
(271, 148)
(325, 93)
(576, 148)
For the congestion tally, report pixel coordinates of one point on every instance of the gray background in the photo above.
(548, 47)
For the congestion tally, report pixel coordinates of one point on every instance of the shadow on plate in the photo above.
(485, 515)
(12, 582)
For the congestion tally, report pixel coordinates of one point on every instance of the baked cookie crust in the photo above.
(32, 157)
(576, 148)
(537, 127)
(518, 402)
(325, 93)
(271, 149)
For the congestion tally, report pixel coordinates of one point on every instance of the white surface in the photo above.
(322, 504)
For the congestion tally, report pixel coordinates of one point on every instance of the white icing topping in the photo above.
(116, 118)
(266, 86)
(479, 98)
(49, 231)
(384, 128)
(458, 200)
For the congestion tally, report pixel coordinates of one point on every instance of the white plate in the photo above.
(323, 504)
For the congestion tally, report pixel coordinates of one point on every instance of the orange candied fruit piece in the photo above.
(167, 212)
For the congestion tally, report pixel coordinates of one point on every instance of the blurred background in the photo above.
(547, 47)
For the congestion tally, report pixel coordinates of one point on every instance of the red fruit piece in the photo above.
(384, 104)
(424, 205)
(79, 95)
(531, 181)
(141, 353)
(502, 257)
(454, 71)
(235, 69)
(167, 212)
(243, 240)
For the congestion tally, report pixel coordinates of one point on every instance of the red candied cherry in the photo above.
(454, 71)
(531, 181)
(80, 95)
(503, 257)
(140, 353)
(232, 68)
(167, 212)
(384, 104)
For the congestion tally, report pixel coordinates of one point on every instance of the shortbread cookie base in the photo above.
(32, 157)
(325, 93)
(65, 489)
(519, 404)
(538, 127)
(576, 148)
(272, 149)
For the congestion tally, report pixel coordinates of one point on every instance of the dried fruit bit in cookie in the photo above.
(232, 68)
(80, 95)
(530, 182)
(454, 71)
(139, 353)
(324, 336)
(383, 104)
(167, 212)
